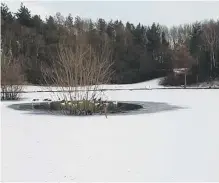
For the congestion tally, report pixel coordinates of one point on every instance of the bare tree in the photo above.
(184, 33)
(173, 36)
(79, 71)
(180, 34)
(211, 40)
(182, 61)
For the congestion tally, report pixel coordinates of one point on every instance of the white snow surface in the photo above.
(181, 145)
(146, 85)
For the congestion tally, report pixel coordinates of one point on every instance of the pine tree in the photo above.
(6, 15)
(24, 16)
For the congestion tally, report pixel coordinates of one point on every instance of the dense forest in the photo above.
(138, 52)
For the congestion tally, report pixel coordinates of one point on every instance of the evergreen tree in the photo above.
(24, 16)
(6, 15)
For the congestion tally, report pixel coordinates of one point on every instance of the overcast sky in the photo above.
(146, 12)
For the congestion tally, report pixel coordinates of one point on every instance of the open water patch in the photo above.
(122, 108)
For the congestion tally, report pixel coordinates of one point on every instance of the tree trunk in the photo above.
(213, 59)
(212, 63)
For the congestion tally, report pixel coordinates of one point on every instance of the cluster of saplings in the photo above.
(83, 107)
(11, 92)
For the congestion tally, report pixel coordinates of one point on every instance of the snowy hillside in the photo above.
(143, 85)
(151, 84)
(180, 145)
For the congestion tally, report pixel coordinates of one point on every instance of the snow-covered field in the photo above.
(147, 85)
(181, 145)
(152, 84)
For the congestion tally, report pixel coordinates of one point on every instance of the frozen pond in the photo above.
(137, 107)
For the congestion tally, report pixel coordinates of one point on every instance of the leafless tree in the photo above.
(79, 70)
(182, 61)
(173, 36)
(180, 34)
(211, 40)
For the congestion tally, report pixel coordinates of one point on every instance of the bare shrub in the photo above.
(78, 73)
(182, 57)
(184, 63)
(11, 77)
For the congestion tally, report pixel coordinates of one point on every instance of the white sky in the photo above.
(146, 12)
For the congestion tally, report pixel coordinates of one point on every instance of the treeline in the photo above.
(138, 52)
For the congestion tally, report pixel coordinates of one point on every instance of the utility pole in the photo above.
(185, 74)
